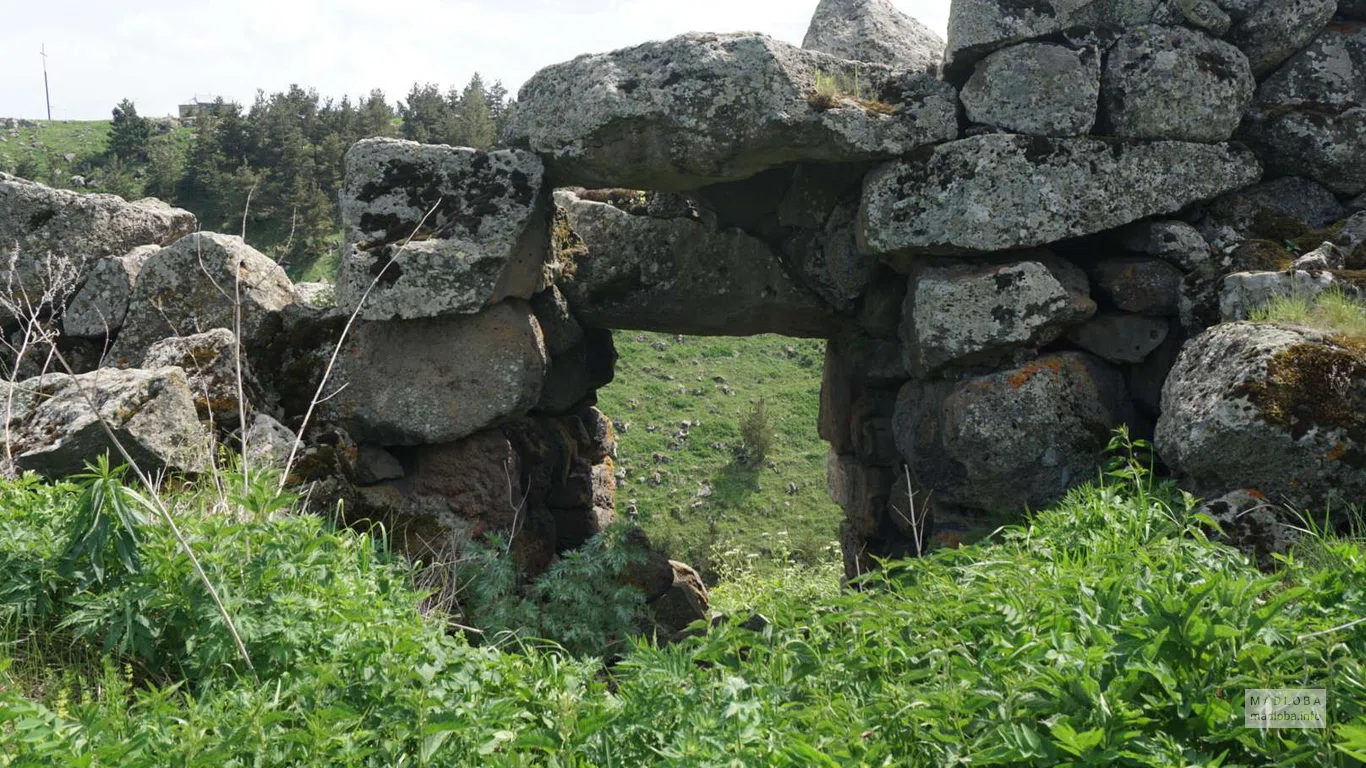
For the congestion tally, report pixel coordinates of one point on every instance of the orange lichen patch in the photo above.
(1256, 494)
(1028, 372)
(1339, 451)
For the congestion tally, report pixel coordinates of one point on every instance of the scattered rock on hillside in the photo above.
(1309, 117)
(1036, 88)
(1175, 83)
(873, 31)
(705, 108)
(191, 286)
(996, 192)
(151, 413)
(434, 381)
(1276, 408)
(80, 228)
(486, 241)
(676, 275)
(97, 310)
(1014, 439)
(981, 313)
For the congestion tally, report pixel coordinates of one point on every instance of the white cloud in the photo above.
(161, 52)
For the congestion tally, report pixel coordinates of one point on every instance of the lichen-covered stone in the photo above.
(702, 109)
(269, 442)
(1277, 210)
(37, 221)
(1326, 257)
(1145, 286)
(210, 361)
(676, 275)
(576, 375)
(1275, 29)
(1175, 83)
(1243, 293)
(1276, 408)
(98, 308)
(995, 192)
(1175, 242)
(1309, 117)
(979, 313)
(483, 237)
(437, 380)
(1249, 522)
(1036, 88)
(193, 286)
(1015, 439)
(55, 433)
(873, 31)
(1120, 337)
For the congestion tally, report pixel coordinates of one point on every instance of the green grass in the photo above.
(692, 495)
(1107, 631)
(1332, 310)
(49, 143)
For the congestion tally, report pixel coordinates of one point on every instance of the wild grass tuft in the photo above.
(1333, 310)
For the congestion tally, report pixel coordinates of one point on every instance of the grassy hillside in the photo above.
(44, 148)
(1107, 632)
(692, 494)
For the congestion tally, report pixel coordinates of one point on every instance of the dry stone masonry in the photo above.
(1014, 242)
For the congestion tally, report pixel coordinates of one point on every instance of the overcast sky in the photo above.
(163, 52)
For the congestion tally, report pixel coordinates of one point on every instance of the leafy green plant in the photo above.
(758, 434)
(107, 512)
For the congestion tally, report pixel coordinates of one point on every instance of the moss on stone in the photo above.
(1263, 256)
(1317, 385)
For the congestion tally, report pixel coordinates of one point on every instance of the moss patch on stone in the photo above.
(1317, 385)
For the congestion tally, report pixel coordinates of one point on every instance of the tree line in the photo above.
(280, 161)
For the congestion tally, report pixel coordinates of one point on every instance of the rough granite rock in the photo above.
(1145, 286)
(676, 275)
(1036, 88)
(209, 360)
(685, 602)
(1175, 242)
(1326, 257)
(1243, 293)
(978, 27)
(189, 287)
(703, 108)
(1276, 210)
(1010, 440)
(1277, 408)
(375, 465)
(151, 412)
(97, 309)
(995, 192)
(981, 313)
(874, 31)
(1276, 29)
(1121, 337)
(1174, 83)
(575, 376)
(486, 241)
(269, 442)
(437, 380)
(562, 332)
(1309, 117)
(40, 220)
(1249, 523)
(315, 295)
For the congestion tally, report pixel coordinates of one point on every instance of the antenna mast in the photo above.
(46, 93)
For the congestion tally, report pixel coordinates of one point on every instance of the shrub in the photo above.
(757, 433)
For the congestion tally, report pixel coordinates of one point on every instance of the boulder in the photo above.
(1325, 257)
(1243, 293)
(1277, 210)
(315, 295)
(1175, 83)
(575, 376)
(1120, 337)
(1276, 29)
(676, 275)
(1145, 286)
(192, 286)
(981, 313)
(995, 192)
(1309, 117)
(210, 361)
(703, 108)
(269, 443)
(1036, 88)
(437, 380)
(562, 332)
(39, 221)
(440, 230)
(375, 465)
(873, 31)
(1253, 525)
(1274, 408)
(1201, 14)
(1175, 242)
(54, 431)
(685, 602)
(97, 309)
(1015, 439)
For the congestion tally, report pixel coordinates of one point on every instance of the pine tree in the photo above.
(474, 123)
(129, 134)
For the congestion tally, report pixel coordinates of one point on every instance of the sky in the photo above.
(161, 53)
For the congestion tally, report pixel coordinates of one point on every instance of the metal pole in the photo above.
(46, 93)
